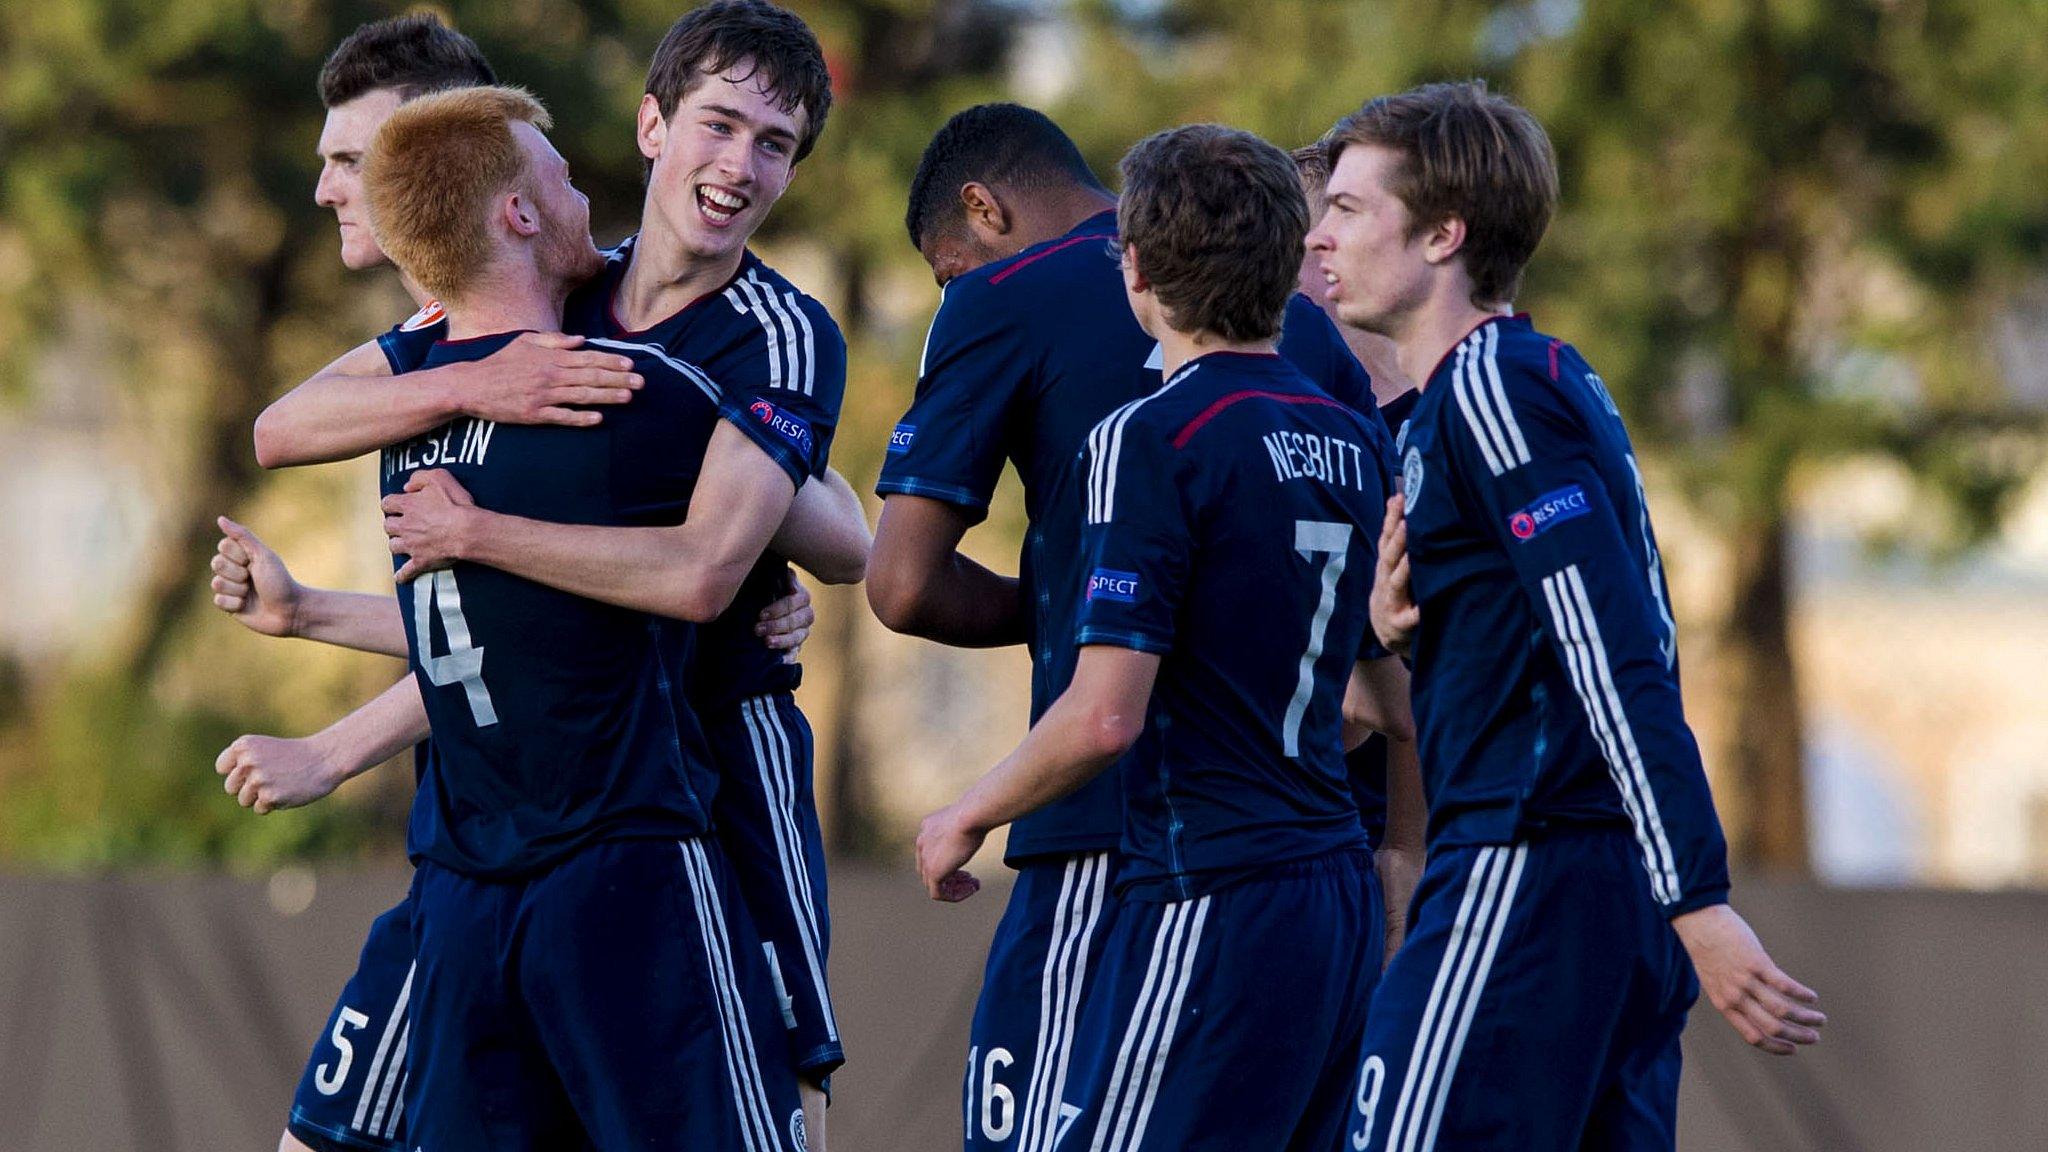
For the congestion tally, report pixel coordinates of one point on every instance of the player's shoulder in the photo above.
(1041, 271)
(761, 292)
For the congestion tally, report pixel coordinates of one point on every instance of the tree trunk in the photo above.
(856, 826)
(1767, 815)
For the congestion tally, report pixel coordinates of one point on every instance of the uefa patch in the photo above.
(786, 425)
(899, 440)
(1110, 584)
(1411, 477)
(426, 317)
(1548, 511)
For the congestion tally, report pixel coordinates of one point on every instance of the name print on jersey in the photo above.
(1309, 456)
(463, 441)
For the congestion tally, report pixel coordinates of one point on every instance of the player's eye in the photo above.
(719, 126)
(775, 147)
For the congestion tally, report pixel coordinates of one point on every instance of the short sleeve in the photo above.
(788, 372)
(951, 444)
(406, 345)
(1137, 542)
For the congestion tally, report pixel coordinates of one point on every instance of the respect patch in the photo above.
(1548, 511)
(1110, 584)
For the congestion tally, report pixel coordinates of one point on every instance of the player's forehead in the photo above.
(540, 151)
(1363, 171)
(350, 125)
(743, 89)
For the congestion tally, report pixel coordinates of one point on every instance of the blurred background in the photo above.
(1804, 241)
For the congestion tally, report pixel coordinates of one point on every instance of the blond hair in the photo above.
(432, 173)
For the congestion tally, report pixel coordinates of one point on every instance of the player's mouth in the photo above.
(719, 206)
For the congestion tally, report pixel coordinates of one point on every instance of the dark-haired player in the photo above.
(1224, 614)
(1033, 344)
(1575, 859)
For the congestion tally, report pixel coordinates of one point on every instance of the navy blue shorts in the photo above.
(1231, 1021)
(767, 820)
(1040, 964)
(1536, 1004)
(351, 1095)
(613, 1001)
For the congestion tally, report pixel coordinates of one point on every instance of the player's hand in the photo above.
(1394, 614)
(267, 773)
(1773, 1011)
(786, 624)
(428, 522)
(251, 584)
(537, 378)
(944, 846)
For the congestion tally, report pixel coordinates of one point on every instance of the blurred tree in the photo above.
(1787, 229)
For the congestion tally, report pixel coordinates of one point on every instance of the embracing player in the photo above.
(701, 114)
(1575, 859)
(1229, 536)
(1033, 344)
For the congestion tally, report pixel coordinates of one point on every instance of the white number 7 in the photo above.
(464, 664)
(1310, 538)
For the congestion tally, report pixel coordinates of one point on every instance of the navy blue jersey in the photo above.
(406, 345)
(1546, 666)
(1024, 357)
(1368, 761)
(761, 339)
(1232, 521)
(557, 721)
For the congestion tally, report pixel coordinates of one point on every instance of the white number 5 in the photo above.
(464, 663)
(1310, 538)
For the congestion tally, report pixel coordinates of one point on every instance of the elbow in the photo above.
(893, 599)
(1110, 732)
(850, 567)
(1364, 715)
(702, 598)
(273, 448)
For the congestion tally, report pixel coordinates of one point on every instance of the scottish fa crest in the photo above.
(799, 1135)
(1411, 477)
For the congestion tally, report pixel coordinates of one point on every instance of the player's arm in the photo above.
(1377, 700)
(356, 405)
(1609, 630)
(267, 773)
(690, 571)
(919, 583)
(826, 531)
(251, 584)
(1096, 720)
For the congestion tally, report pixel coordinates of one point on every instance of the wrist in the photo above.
(329, 753)
(454, 394)
(472, 535)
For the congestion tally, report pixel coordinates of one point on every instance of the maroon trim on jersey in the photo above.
(1042, 253)
(485, 336)
(1555, 344)
(1181, 438)
(611, 300)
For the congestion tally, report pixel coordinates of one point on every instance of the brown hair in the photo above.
(1312, 164)
(775, 43)
(432, 172)
(1217, 218)
(415, 54)
(1467, 153)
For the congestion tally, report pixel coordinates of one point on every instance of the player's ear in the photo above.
(989, 220)
(1444, 239)
(1134, 276)
(521, 216)
(651, 131)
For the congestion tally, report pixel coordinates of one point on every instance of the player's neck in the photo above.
(664, 278)
(420, 296)
(1176, 349)
(506, 304)
(1431, 332)
(1071, 209)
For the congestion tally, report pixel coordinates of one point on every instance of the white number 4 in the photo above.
(464, 663)
(1310, 538)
